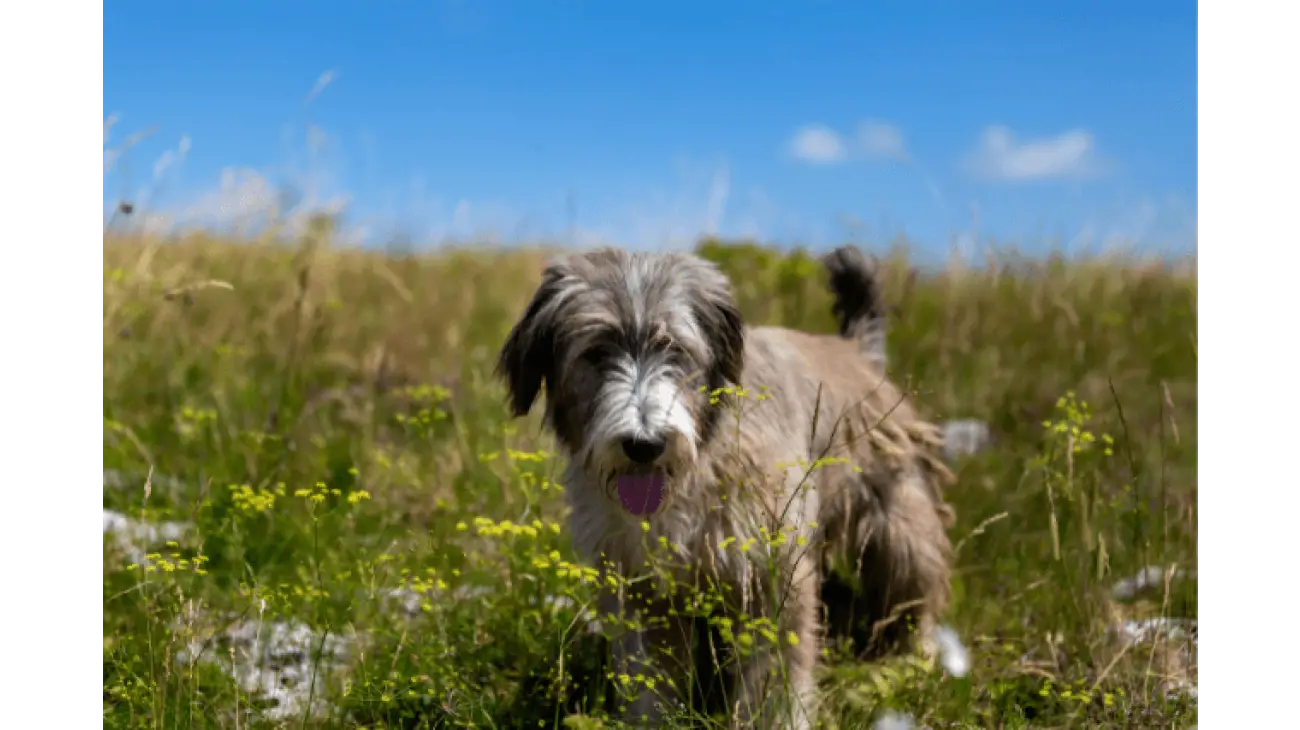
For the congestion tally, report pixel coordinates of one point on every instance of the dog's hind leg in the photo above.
(902, 568)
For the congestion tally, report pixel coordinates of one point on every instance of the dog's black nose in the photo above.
(643, 451)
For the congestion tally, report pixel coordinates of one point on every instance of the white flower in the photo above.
(952, 653)
(891, 720)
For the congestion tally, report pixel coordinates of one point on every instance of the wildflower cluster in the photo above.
(629, 685)
(514, 457)
(505, 528)
(529, 471)
(778, 538)
(1071, 426)
(749, 630)
(538, 456)
(255, 501)
(532, 541)
(424, 585)
(429, 411)
(191, 421)
(282, 597)
(717, 394)
(172, 562)
(317, 493)
(1079, 692)
(821, 463)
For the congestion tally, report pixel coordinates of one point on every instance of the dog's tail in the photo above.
(858, 307)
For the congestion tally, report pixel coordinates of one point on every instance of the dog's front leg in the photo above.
(652, 654)
(776, 687)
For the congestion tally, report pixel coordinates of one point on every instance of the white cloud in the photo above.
(1000, 156)
(322, 82)
(672, 210)
(819, 145)
(882, 140)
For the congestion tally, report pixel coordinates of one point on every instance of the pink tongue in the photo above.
(641, 494)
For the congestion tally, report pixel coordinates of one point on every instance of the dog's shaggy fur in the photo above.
(648, 370)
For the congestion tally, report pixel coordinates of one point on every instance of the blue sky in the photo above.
(648, 123)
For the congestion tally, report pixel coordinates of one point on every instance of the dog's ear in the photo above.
(721, 323)
(527, 358)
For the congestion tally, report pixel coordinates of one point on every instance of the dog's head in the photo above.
(628, 347)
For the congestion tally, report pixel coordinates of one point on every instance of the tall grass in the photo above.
(324, 422)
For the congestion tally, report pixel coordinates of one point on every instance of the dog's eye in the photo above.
(597, 355)
(675, 352)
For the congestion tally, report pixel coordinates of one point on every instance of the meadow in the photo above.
(318, 512)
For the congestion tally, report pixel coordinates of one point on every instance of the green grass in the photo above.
(329, 426)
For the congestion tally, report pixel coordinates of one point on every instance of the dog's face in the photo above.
(628, 347)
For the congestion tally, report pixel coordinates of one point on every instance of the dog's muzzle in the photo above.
(642, 488)
(644, 451)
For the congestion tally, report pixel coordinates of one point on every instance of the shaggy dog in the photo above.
(759, 460)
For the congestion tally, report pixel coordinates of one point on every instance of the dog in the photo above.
(761, 459)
